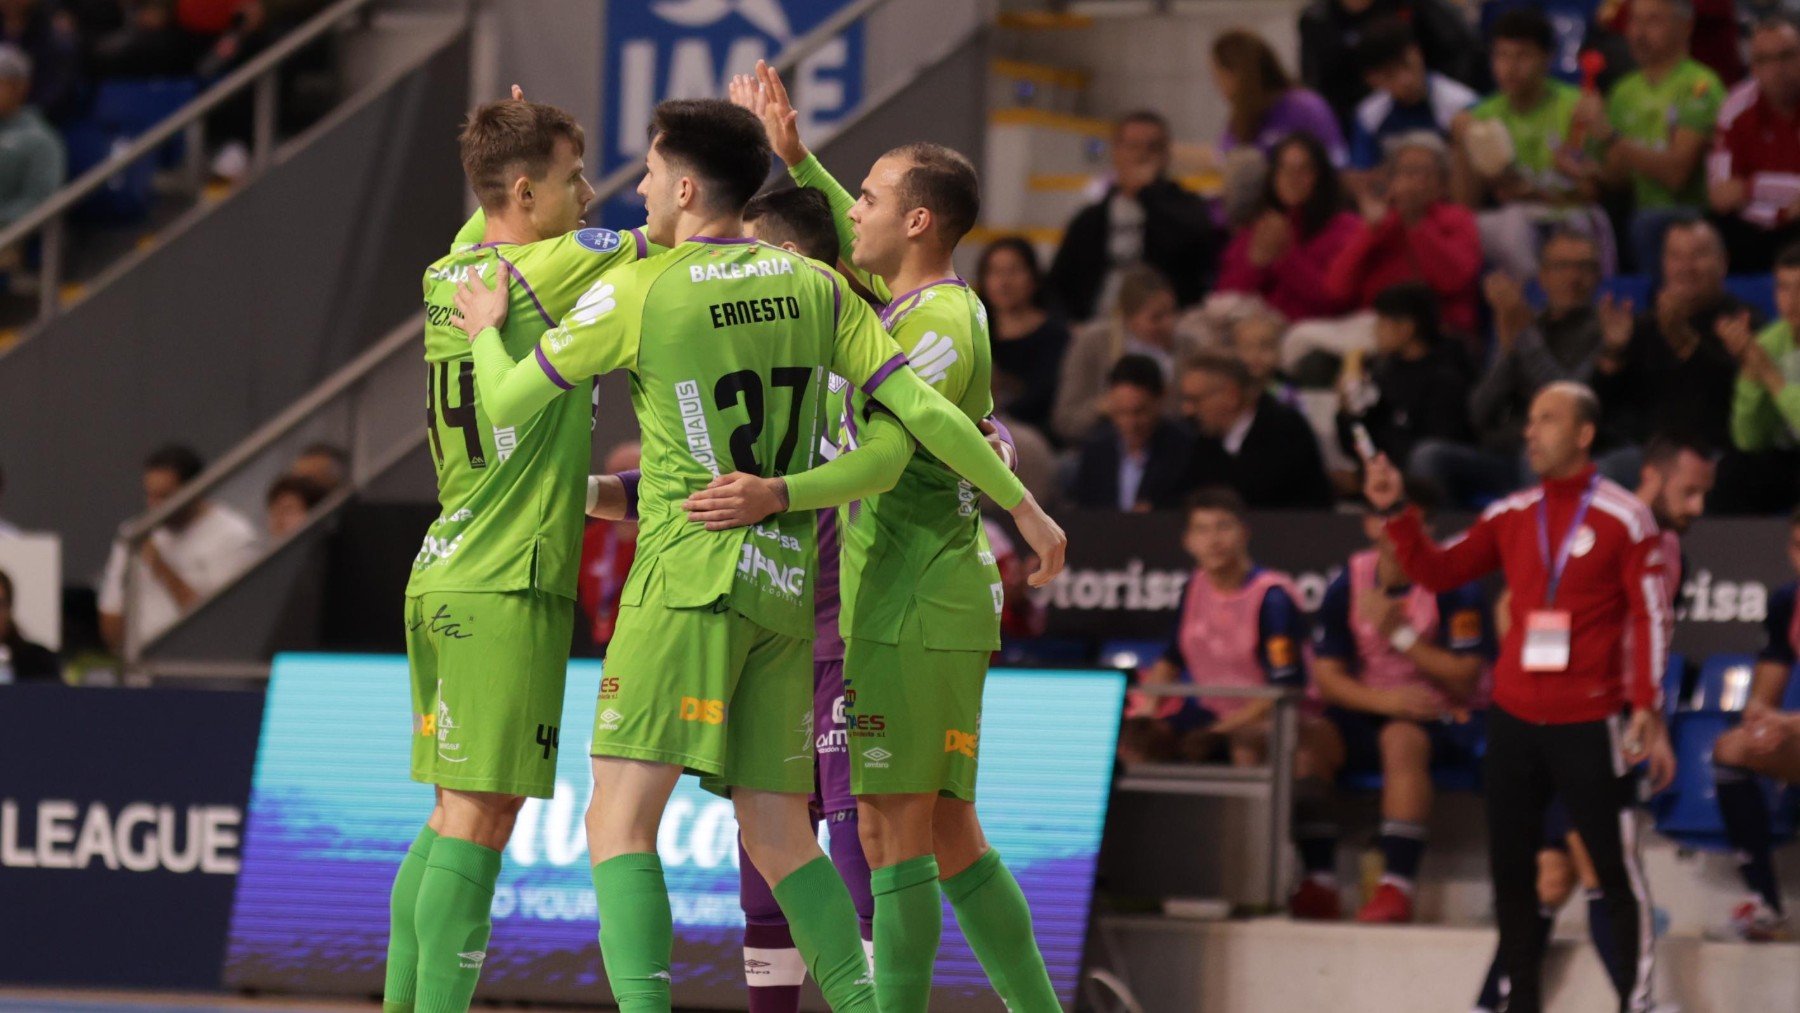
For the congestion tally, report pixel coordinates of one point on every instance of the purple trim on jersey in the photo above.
(550, 371)
(489, 246)
(631, 479)
(534, 299)
(828, 640)
(898, 303)
(643, 245)
(716, 241)
(888, 368)
(837, 294)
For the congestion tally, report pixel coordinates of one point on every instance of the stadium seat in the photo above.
(122, 110)
(1758, 290)
(1635, 287)
(1673, 677)
(1687, 812)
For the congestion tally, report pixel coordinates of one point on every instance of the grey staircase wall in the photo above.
(237, 313)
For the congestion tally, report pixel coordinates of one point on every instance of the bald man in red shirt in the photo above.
(1583, 560)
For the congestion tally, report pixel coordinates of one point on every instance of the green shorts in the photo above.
(710, 690)
(488, 670)
(914, 715)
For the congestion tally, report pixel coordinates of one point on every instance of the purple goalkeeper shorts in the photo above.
(832, 792)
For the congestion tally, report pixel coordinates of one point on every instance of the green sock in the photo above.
(822, 917)
(996, 920)
(637, 932)
(453, 921)
(403, 943)
(909, 920)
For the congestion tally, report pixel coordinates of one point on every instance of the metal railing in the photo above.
(356, 374)
(259, 76)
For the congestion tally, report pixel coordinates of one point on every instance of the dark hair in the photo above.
(1145, 117)
(1788, 257)
(182, 460)
(724, 145)
(1138, 284)
(942, 181)
(1138, 371)
(1218, 497)
(1665, 446)
(1414, 302)
(1524, 24)
(1027, 253)
(1260, 77)
(501, 139)
(309, 492)
(1385, 44)
(1327, 197)
(796, 214)
(1219, 364)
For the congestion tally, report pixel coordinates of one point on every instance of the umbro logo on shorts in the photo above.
(877, 757)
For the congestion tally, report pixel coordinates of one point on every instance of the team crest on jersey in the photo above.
(597, 240)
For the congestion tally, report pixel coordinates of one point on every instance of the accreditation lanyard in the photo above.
(1548, 629)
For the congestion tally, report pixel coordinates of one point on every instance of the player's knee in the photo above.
(484, 818)
(1729, 749)
(1556, 878)
(1405, 746)
(895, 828)
(956, 836)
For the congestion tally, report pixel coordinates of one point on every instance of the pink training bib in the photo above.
(1220, 632)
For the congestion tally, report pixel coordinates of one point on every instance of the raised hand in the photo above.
(1734, 332)
(1616, 321)
(763, 94)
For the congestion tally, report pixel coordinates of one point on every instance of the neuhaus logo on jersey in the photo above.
(57, 833)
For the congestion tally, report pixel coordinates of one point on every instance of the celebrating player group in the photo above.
(806, 663)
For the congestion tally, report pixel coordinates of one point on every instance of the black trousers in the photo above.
(1528, 764)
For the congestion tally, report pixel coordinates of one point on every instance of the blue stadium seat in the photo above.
(1635, 287)
(1672, 677)
(1756, 289)
(122, 110)
(1687, 812)
(1724, 683)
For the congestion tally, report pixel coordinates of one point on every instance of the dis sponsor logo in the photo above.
(961, 742)
(609, 687)
(711, 712)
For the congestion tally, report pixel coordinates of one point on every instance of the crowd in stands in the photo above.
(1432, 221)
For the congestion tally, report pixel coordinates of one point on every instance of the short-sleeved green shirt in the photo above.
(925, 535)
(510, 497)
(1536, 132)
(1688, 96)
(730, 345)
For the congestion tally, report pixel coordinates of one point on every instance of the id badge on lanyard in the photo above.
(1548, 629)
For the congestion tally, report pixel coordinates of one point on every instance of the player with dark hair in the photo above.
(727, 341)
(912, 699)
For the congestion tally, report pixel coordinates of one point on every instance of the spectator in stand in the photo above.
(1262, 449)
(1241, 626)
(20, 659)
(1761, 474)
(1715, 42)
(1255, 341)
(7, 528)
(325, 465)
(1527, 120)
(1753, 176)
(1331, 29)
(1266, 103)
(1655, 126)
(1404, 98)
(1401, 668)
(1143, 323)
(1766, 744)
(1135, 459)
(1418, 386)
(1666, 368)
(1028, 342)
(289, 502)
(1301, 225)
(607, 549)
(49, 39)
(197, 552)
(1145, 218)
(1413, 234)
(32, 161)
(1530, 352)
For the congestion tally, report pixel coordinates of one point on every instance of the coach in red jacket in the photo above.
(1583, 560)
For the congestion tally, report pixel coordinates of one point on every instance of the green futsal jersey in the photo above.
(510, 496)
(729, 344)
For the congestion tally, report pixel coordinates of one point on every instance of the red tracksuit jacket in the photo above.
(1613, 582)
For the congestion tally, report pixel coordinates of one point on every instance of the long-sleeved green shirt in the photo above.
(1764, 421)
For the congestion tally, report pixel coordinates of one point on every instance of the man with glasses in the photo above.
(1753, 174)
(1530, 352)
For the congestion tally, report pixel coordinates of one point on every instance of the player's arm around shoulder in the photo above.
(558, 272)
